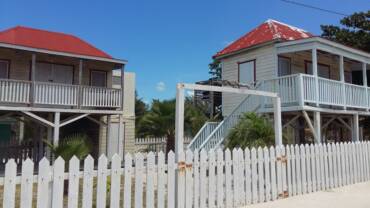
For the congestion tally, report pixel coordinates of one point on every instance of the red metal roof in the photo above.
(266, 32)
(53, 41)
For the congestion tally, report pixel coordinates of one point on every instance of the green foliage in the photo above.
(251, 131)
(355, 31)
(140, 110)
(76, 144)
(159, 121)
(215, 70)
(195, 117)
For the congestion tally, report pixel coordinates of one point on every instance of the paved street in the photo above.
(354, 196)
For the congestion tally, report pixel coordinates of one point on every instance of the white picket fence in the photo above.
(206, 179)
(155, 144)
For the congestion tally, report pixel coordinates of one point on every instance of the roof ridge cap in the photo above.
(285, 24)
(275, 32)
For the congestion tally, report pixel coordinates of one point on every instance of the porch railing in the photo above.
(45, 93)
(14, 91)
(100, 97)
(55, 94)
(301, 88)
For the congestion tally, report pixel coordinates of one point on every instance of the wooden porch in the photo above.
(304, 89)
(58, 95)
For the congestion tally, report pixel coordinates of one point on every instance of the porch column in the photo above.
(341, 76)
(314, 72)
(364, 78)
(121, 137)
(317, 126)
(49, 136)
(33, 72)
(277, 122)
(122, 85)
(80, 65)
(355, 128)
(108, 134)
(56, 128)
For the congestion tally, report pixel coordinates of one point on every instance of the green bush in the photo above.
(76, 144)
(251, 131)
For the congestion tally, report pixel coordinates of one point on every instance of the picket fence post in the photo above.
(161, 178)
(27, 184)
(215, 179)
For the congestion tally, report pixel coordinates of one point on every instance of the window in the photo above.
(4, 69)
(284, 66)
(116, 80)
(98, 78)
(247, 72)
(322, 70)
(58, 73)
(348, 77)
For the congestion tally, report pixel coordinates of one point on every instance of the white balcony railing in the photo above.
(45, 93)
(55, 94)
(100, 97)
(301, 88)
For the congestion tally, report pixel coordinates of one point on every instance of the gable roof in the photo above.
(269, 31)
(52, 41)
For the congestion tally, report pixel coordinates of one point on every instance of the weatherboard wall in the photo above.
(266, 62)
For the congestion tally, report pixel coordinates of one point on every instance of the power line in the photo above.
(314, 7)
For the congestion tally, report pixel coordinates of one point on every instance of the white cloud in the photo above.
(161, 86)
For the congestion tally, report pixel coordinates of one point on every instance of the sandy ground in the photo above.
(354, 196)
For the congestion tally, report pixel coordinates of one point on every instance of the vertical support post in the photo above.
(121, 137)
(56, 128)
(49, 136)
(122, 86)
(364, 77)
(108, 135)
(33, 72)
(355, 128)
(179, 124)
(80, 66)
(300, 90)
(315, 73)
(341, 76)
(21, 130)
(317, 126)
(277, 121)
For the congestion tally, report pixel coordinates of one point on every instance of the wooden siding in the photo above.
(266, 61)
(20, 65)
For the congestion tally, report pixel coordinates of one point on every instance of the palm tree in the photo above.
(74, 145)
(251, 131)
(159, 121)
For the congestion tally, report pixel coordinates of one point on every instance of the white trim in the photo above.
(309, 123)
(37, 109)
(72, 119)
(56, 129)
(6, 45)
(96, 121)
(227, 89)
(38, 118)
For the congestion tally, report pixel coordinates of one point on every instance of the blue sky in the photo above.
(166, 42)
